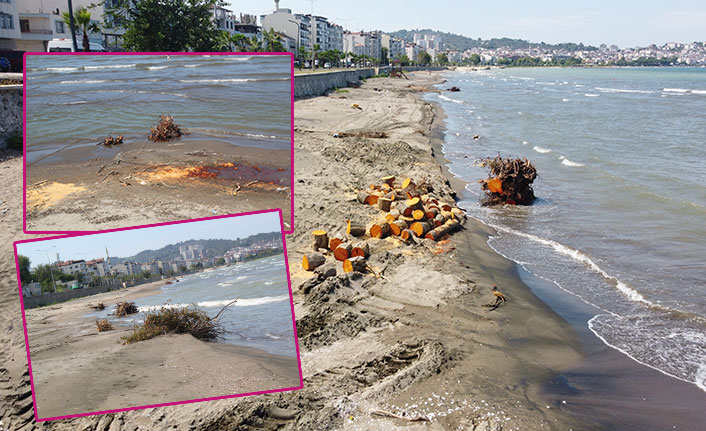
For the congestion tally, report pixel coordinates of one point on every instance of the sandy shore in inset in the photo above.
(144, 182)
(76, 369)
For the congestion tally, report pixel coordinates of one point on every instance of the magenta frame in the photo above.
(24, 124)
(74, 234)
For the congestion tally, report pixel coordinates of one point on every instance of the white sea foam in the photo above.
(700, 377)
(567, 162)
(622, 90)
(84, 81)
(525, 142)
(156, 67)
(578, 256)
(113, 66)
(591, 95)
(231, 80)
(441, 96)
(273, 337)
(61, 69)
(193, 65)
(564, 100)
(242, 302)
(675, 90)
(541, 149)
(698, 91)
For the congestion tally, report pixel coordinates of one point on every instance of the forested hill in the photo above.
(212, 247)
(462, 43)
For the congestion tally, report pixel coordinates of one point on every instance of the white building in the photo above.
(32, 289)
(126, 268)
(97, 267)
(363, 43)
(304, 29)
(72, 266)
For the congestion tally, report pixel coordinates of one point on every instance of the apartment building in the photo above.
(363, 43)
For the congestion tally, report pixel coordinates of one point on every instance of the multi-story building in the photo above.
(31, 289)
(306, 30)
(97, 267)
(150, 267)
(126, 268)
(363, 43)
(72, 266)
(224, 19)
(395, 47)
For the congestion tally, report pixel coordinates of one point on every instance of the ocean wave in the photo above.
(273, 337)
(224, 284)
(622, 90)
(541, 149)
(156, 67)
(591, 95)
(242, 302)
(216, 81)
(565, 100)
(698, 91)
(441, 96)
(700, 377)
(58, 69)
(578, 256)
(676, 90)
(525, 142)
(112, 66)
(567, 162)
(85, 81)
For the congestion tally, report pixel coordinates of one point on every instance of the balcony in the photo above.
(35, 26)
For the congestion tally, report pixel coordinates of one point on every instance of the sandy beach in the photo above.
(417, 342)
(139, 183)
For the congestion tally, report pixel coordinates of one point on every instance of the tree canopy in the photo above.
(168, 25)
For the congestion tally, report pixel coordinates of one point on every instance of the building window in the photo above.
(60, 27)
(6, 21)
(6, 1)
(24, 25)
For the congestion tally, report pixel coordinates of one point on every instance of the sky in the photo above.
(626, 23)
(129, 242)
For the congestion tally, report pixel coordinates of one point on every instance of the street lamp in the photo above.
(50, 270)
(299, 30)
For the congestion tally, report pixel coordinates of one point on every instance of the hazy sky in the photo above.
(626, 23)
(129, 242)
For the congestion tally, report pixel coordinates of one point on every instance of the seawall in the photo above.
(10, 108)
(317, 84)
(51, 298)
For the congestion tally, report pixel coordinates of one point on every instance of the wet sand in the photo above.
(76, 369)
(141, 182)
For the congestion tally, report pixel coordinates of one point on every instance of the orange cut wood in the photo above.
(495, 185)
(420, 228)
(418, 214)
(342, 252)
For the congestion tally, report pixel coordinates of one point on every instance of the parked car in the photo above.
(67, 45)
(14, 58)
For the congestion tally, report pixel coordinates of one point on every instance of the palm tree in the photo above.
(272, 41)
(317, 48)
(82, 18)
(240, 42)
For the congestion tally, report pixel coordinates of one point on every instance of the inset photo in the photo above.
(158, 315)
(123, 139)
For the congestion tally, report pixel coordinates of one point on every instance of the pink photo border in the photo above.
(75, 234)
(24, 123)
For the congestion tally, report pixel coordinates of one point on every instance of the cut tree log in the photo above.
(397, 226)
(408, 220)
(389, 180)
(356, 264)
(440, 219)
(342, 252)
(458, 213)
(404, 208)
(379, 230)
(445, 207)
(335, 241)
(420, 228)
(438, 233)
(355, 229)
(367, 197)
(384, 204)
(432, 212)
(360, 248)
(409, 188)
(407, 236)
(392, 215)
(419, 215)
(312, 261)
(320, 239)
(415, 204)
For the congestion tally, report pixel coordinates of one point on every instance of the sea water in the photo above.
(620, 219)
(77, 101)
(261, 317)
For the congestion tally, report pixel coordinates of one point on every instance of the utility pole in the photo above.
(50, 268)
(312, 30)
(72, 25)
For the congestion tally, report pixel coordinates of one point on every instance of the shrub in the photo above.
(177, 320)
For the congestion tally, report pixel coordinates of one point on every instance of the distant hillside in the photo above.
(462, 43)
(212, 247)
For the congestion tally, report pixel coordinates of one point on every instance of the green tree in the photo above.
(240, 41)
(167, 25)
(272, 41)
(223, 43)
(474, 59)
(220, 261)
(317, 48)
(82, 19)
(423, 58)
(25, 275)
(302, 56)
(442, 59)
(404, 60)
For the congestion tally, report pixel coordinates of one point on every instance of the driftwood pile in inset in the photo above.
(409, 212)
(110, 141)
(166, 130)
(103, 325)
(510, 181)
(124, 308)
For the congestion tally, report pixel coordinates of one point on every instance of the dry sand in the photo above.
(416, 342)
(140, 183)
(79, 370)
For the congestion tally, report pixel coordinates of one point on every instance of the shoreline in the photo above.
(608, 387)
(168, 368)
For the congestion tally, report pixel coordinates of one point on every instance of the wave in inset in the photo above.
(216, 81)
(242, 302)
(622, 90)
(441, 96)
(567, 162)
(542, 150)
(591, 95)
(85, 81)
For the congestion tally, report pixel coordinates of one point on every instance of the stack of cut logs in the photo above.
(409, 212)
